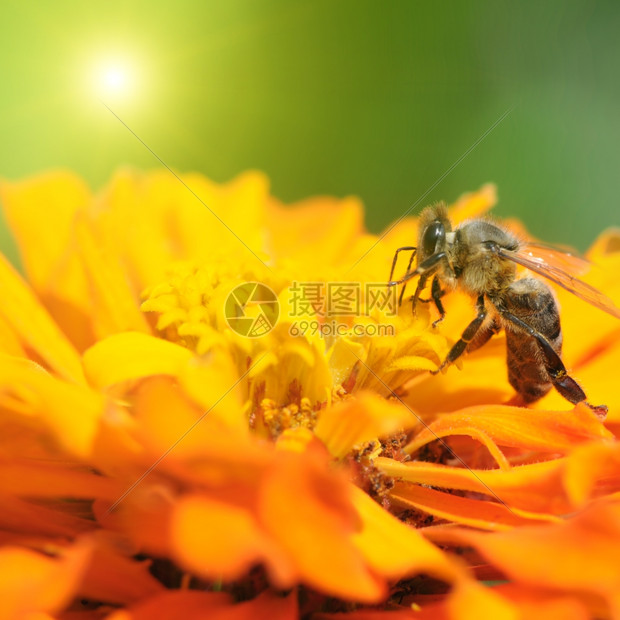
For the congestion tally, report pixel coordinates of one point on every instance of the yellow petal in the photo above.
(472, 601)
(115, 307)
(41, 213)
(36, 207)
(328, 223)
(132, 355)
(356, 421)
(70, 412)
(9, 342)
(473, 204)
(154, 219)
(34, 327)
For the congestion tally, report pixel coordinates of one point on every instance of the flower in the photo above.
(158, 463)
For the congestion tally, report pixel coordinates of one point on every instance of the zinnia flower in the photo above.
(156, 462)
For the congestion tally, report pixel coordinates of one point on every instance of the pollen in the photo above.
(292, 416)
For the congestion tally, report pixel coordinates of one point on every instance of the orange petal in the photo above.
(581, 553)
(194, 605)
(113, 578)
(536, 604)
(376, 614)
(393, 549)
(469, 600)
(536, 487)
(33, 326)
(267, 606)
(481, 514)
(32, 479)
(28, 518)
(168, 422)
(307, 510)
(546, 431)
(505, 601)
(220, 541)
(592, 470)
(354, 422)
(186, 604)
(31, 582)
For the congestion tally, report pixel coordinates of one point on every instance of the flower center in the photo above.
(190, 302)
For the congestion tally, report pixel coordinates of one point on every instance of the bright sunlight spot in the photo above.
(114, 81)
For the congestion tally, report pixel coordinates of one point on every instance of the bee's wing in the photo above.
(555, 265)
(561, 257)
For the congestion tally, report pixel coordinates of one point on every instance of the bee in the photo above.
(480, 258)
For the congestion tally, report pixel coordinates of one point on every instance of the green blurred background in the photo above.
(378, 99)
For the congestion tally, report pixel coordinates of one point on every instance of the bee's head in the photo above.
(434, 228)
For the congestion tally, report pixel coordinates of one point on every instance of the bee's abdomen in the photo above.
(533, 302)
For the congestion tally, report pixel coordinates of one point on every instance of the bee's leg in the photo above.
(405, 248)
(402, 292)
(484, 335)
(437, 294)
(424, 269)
(562, 381)
(466, 337)
(415, 298)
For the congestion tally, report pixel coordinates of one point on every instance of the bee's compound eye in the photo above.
(434, 237)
